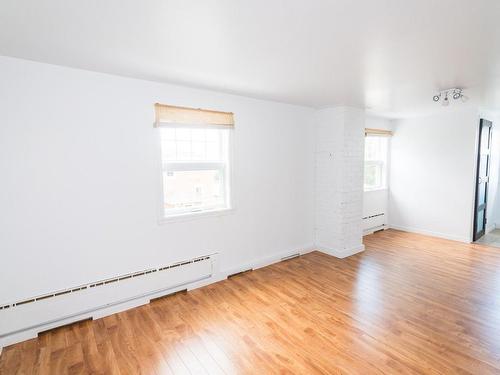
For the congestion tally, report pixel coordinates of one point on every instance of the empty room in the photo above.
(249, 187)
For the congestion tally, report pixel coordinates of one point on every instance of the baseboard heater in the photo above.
(374, 222)
(23, 319)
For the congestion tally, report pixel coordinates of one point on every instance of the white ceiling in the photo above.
(387, 55)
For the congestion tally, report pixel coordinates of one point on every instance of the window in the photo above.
(195, 149)
(195, 169)
(376, 149)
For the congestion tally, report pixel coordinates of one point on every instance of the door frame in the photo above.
(476, 180)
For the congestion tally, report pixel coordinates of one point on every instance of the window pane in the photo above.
(169, 134)
(213, 151)
(485, 135)
(373, 176)
(183, 150)
(198, 135)
(182, 134)
(376, 149)
(213, 135)
(198, 150)
(480, 221)
(193, 189)
(169, 150)
(193, 144)
(483, 165)
(194, 161)
(482, 193)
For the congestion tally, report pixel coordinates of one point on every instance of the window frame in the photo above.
(384, 165)
(227, 168)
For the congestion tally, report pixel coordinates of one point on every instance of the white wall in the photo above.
(339, 180)
(80, 188)
(375, 122)
(377, 201)
(432, 173)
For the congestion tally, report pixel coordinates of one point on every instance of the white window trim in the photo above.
(188, 216)
(368, 190)
(194, 215)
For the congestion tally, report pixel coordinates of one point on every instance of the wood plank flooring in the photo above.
(409, 304)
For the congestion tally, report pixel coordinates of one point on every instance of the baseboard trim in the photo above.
(256, 264)
(217, 276)
(341, 253)
(445, 236)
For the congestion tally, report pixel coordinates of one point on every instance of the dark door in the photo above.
(482, 178)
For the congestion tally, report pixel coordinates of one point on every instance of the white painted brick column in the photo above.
(339, 166)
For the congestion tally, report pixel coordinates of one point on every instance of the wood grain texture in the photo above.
(409, 304)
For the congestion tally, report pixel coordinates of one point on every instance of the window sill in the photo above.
(195, 215)
(373, 190)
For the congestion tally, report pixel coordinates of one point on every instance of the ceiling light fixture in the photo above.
(446, 101)
(455, 93)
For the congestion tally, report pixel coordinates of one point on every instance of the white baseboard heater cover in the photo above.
(38, 313)
(374, 222)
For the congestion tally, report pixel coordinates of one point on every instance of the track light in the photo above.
(455, 93)
(446, 101)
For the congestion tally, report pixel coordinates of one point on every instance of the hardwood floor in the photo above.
(408, 304)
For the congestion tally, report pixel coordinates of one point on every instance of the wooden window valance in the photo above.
(379, 132)
(170, 114)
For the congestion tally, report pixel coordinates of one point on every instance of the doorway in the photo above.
(482, 178)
